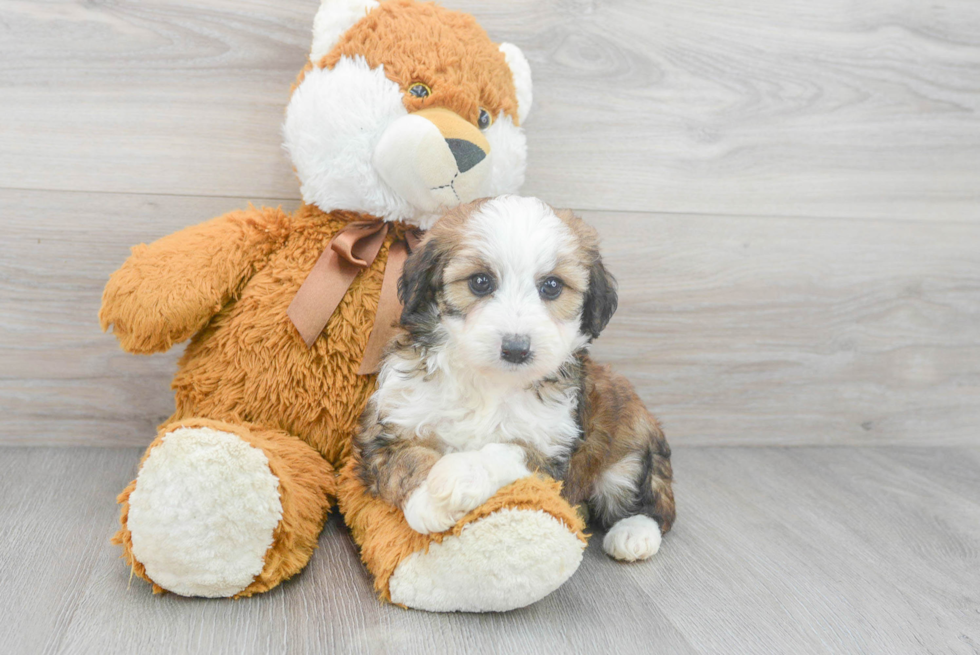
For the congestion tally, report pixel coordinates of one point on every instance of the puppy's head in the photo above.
(507, 286)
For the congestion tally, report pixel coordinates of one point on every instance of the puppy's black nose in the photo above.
(515, 348)
(466, 153)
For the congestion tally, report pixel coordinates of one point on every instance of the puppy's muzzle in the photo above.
(515, 348)
(434, 159)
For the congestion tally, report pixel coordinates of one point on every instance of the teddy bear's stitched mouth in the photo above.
(451, 187)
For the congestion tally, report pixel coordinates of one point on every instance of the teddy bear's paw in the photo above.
(460, 482)
(633, 538)
(509, 559)
(203, 512)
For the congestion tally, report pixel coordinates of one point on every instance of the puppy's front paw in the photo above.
(633, 538)
(460, 482)
(424, 515)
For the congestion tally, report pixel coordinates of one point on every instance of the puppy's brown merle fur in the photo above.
(491, 380)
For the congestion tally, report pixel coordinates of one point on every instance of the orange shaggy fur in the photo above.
(226, 285)
(450, 53)
(229, 282)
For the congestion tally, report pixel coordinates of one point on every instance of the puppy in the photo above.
(491, 380)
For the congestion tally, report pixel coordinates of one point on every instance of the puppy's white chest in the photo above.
(519, 417)
(468, 419)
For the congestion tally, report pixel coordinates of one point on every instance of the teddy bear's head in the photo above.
(406, 109)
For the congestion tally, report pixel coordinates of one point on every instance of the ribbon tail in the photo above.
(319, 295)
(389, 310)
(351, 250)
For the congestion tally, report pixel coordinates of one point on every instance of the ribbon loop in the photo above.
(353, 249)
(358, 243)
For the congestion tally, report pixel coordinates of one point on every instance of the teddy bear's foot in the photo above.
(222, 510)
(513, 550)
(509, 559)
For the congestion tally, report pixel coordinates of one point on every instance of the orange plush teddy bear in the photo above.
(404, 110)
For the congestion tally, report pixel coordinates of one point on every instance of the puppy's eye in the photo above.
(484, 120)
(551, 288)
(420, 90)
(481, 284)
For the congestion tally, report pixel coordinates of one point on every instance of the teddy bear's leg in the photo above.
(513, 550)
(219, 509)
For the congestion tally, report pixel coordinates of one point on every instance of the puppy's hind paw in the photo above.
(633, 538)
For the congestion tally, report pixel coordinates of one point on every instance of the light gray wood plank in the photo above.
(803, 550)
(56, 518)
(61, 379)
(772, 108)
(734, 330)
(816, 550)
(763, 330)
(149, 95)
(781, 107)
(957, 476)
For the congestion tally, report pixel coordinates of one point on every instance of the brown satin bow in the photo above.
(350, 251)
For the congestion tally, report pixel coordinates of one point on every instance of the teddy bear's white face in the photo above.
(361, 142)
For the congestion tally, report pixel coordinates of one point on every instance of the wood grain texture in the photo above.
(791, 331)
(750, 331)
(805, 550)
(57, 369)
(779, 107)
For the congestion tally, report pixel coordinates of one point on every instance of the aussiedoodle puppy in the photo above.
(491, 380)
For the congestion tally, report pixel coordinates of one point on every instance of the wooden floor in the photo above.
(777, 550)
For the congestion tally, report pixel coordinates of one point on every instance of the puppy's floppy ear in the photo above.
(421, 277)
(601, 299)
(420, 280)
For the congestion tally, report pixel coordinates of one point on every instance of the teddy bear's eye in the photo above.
(484, 120)
(420, 90)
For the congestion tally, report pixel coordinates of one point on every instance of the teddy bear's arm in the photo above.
(170, 289)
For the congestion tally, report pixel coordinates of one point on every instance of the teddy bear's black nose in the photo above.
(466, 153)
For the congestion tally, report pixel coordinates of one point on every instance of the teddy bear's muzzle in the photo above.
(434, 159)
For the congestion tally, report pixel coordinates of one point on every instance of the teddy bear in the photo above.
(404, 110)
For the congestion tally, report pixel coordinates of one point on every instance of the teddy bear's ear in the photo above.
(521, 71)
(333, 18)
